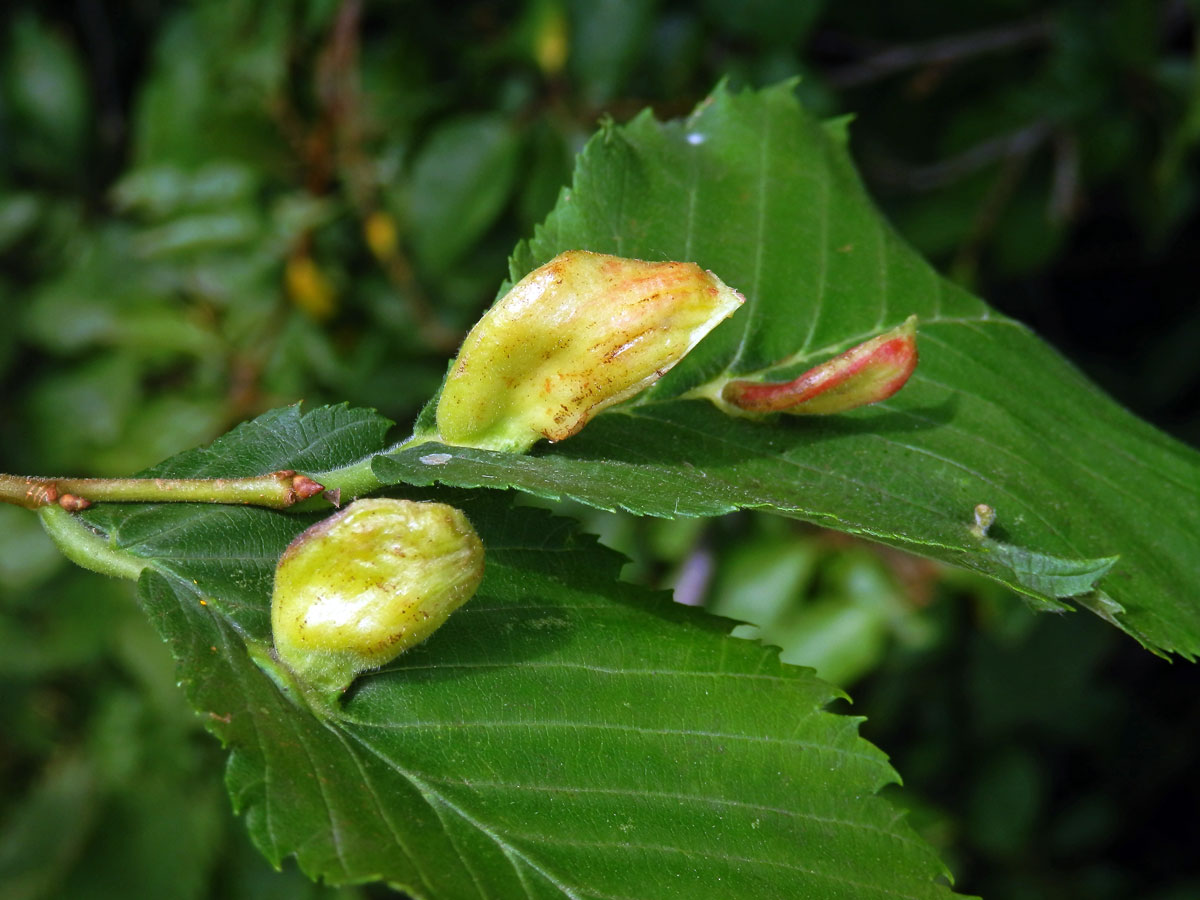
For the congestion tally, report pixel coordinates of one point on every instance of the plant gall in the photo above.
(867, 373)
(582, 332)
(360, 587)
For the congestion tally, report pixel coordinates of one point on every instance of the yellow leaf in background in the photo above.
(308, 288)
(550, 39)
(379, 230)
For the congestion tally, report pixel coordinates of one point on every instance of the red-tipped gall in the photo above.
(870, 372)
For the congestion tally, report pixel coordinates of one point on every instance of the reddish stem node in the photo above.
(305, 487)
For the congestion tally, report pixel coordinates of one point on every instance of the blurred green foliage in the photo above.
(210, 208)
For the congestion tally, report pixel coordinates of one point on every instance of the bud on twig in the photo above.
(580, 333)
(867, 373)
(362, 586)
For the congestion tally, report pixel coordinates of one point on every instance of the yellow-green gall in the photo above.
(365, 584)
(582, 332)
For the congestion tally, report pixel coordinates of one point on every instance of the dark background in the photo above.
(211, 208)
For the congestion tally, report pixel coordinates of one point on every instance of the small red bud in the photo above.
(305, 487)
(867, 373)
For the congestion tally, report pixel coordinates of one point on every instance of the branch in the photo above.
(940, 52)
(1019, 143)
(275, 490)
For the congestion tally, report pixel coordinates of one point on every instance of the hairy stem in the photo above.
(276, 490)
(358, 478)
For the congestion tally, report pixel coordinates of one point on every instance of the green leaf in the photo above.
(563, 735)
(323, 438)
(768, 21)
(165, 190)
(833, 614)
(607, 39)
(753, 188)
(460, 182)
(46, 829)
(47, 86)
(1048, 575)
(210, 72)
